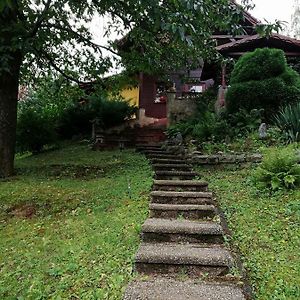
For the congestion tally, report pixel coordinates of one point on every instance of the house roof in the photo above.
(236, 48)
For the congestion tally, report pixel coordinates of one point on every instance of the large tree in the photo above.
(37, 34)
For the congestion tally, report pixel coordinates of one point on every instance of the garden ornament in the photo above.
(263, 131)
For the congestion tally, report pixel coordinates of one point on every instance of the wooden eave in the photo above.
(237, 48)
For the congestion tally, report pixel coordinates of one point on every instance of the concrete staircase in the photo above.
(182, 255)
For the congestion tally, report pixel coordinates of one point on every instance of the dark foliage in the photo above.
(56, 110)
(207, 125)
(36, 127)
(77, 117)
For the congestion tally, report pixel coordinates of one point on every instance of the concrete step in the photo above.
(151, 145)
(164, 230)
(180, 185)
(172, 167)
(169, 161)
(171, 289)
(172, 258)
(174, 211)
(163, 156)
(170, 197)
(144, 148)
(175, 175)
(156, 152)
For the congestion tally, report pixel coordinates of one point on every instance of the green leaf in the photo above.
(275, 183)
(289, 180)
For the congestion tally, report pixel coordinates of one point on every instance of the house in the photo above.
(151, 90)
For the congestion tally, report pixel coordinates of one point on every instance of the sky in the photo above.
(273, 9)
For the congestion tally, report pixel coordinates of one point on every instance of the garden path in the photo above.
(183, 254)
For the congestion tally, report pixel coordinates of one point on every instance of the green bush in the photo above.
(209, 126)
(262, 80)
(56, 109)
(76, 117)
(40, 111)
(279, 169)
(36, 126)
(259, 65)
(243, 122)
(288, 120)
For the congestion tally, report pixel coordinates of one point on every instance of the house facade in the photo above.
(152, 96)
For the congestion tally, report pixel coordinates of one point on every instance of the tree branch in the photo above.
(40, 19)
(57, 68)
(81, 37)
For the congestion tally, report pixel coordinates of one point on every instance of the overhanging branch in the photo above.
(81, 37)
(57, 68)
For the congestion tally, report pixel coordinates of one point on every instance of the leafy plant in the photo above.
(209, 126)
(245, 122)
(288, 120)
(280, 169)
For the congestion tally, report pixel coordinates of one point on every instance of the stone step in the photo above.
(171, 289)
(193, 259)
(156, 152)
(180, 185)
(170, 197)
(151, 145)
(174, 211)
(148, 148)
(163, 156)
(175, 175)
(169, 161)
(172, 167)
(163, 230)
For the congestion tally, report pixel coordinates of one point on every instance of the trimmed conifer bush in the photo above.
(262, 80)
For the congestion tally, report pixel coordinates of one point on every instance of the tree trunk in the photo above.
(9, 85)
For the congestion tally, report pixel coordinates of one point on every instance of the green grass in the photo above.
(265, 229)
(69, 224)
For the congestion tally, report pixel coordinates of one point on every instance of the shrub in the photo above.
(262, 80)
(288, 120)
(259, 65)
(76, 117)
(209, 126)
(279, 169)
(244, 122)
(39, 112)
(36, 126)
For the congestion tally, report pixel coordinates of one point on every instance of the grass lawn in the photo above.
(265, 229)
(69, 223)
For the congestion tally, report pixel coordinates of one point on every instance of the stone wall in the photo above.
(179, 109)
(224, 159)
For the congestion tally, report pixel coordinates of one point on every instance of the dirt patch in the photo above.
(23, 211)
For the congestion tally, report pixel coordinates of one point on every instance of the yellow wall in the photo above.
(131, 95)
